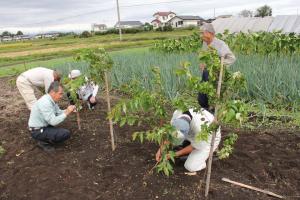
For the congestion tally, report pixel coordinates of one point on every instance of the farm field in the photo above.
(266, 154)
(45, 49)
(85, 168)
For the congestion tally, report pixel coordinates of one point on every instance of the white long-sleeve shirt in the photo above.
(88, 89)
(222, 49)
(198, 119)
(39, 77)
(45, 112)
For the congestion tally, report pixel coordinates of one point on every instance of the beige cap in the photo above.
(208, 27)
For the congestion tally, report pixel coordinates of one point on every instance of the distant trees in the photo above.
(263, 11)
(6, 33)
(85, 34)
(148, 27)
(246, 13)
(19, 33)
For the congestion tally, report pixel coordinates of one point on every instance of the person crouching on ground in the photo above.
(45, 115)
(87, 92)
(188, 125)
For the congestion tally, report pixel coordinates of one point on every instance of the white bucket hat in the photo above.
(74, 73)
(182, 127)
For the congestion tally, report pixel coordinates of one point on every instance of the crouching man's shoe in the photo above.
(46, 146)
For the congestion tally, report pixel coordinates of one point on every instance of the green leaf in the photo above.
(123, 121)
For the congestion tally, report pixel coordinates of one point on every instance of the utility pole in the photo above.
(214, 13)
(119, 21)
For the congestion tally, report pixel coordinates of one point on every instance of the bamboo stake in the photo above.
(78, 120)
(214, 133)
(109, 109)
(252, 188)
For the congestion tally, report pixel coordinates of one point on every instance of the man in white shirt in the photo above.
(87, 92)
(188, 125)
(37, 77)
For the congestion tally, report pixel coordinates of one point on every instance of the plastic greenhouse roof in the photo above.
(286, 23)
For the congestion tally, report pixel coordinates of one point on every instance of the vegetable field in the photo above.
(258, 111)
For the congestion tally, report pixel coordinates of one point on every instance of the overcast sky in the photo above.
(74, 15)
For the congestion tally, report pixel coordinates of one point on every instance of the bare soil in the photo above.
(85, 168)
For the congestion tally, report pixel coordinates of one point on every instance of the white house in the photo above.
(6, 38)
(185, 21)
(99, 27)
(129, 24)
(51, 35)
(46, 35)
(161, 18)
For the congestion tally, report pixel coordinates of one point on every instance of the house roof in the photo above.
(156, 20)
(186, 17)
(189, 17)
(224, 16)
(130, 23)
(163, 13)
(99, 25)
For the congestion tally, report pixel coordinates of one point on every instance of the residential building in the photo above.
(129, 24)
(161, 19)
(99, 27)
(185, 21)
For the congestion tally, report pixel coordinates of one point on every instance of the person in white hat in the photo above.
(207, 33)
(39, 77)
(188, 125)
(87, 92)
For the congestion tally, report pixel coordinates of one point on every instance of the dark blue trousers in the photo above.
(202, 98)
(51, 134)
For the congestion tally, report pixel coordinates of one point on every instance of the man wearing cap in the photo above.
(188, 125)
(37, 77)
(209, 39)
(45, 115)
(87, 92)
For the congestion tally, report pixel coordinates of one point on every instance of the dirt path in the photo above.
(85, 168)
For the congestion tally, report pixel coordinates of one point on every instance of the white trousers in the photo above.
(196, 161)
(26, 89)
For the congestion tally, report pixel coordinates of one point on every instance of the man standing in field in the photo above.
(45, 114)
(37, 77)
(207, 32)
(188, 125)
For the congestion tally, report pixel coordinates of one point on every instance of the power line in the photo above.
(64, 18)
(96, 11)
(147, 4)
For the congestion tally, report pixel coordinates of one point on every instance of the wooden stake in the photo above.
(78, 120)
(108, 110)
(252, 188)
(211, 151)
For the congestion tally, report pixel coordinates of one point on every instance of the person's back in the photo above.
(39, 76)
